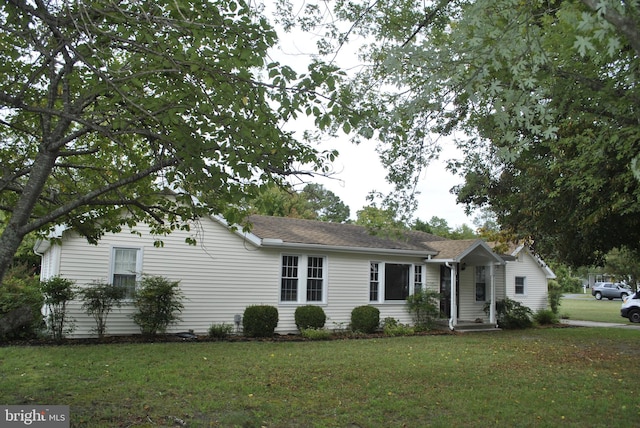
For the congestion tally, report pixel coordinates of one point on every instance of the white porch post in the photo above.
(453, 321)
(492, 294)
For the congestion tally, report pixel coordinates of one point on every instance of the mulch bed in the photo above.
(184, 337)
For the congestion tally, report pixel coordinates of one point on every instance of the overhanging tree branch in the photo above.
(86, 199)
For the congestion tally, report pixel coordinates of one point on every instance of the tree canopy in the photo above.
(313, 202)
(541, 96)
(105, 106)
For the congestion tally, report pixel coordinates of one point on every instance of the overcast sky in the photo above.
(358, 170)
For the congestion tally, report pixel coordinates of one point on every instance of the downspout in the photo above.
(454, 307)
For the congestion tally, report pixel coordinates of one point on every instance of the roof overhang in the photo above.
(477, 253)
(43, 244)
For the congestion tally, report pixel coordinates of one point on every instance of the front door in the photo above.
(445, 291)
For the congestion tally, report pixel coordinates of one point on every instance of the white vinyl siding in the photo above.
(535, 294)
(215, 275)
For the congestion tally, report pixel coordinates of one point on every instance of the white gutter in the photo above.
(277, 243)
(453, 306)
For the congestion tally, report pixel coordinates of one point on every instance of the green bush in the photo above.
(57, 292)
(555, 295)
(260, 321)
(220, 331)
(365, 319)
(99, 298)
(424, 307)
(21, 301)
(545, 317)
(309, 316)
(393, 327)
(511, 314)
(158, 301)
(316, 333)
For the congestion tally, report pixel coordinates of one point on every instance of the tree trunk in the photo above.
(624, 24)
(18, 225)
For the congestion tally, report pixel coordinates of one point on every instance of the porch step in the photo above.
(475, 327)
(468, 326)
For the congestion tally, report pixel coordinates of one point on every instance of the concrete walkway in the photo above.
(578, 323)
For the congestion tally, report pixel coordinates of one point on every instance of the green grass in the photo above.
(538, 377)
(587, 308)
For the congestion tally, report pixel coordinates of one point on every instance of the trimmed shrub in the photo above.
(220, 331)
(545, 317)
(316, 333)
(424, 307)
(57, 292)
(99, 299)
(158, 301)
(21, 301)
(365, 319)
(309, 316)
(511, 314)
(260, 321)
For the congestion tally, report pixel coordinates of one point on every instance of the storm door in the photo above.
(445, 291)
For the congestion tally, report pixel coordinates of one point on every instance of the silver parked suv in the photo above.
(610, 290)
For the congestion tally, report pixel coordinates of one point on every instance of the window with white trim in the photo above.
(393, 281)
(303, 271)
(126, 267)
(417, 278)
(374, 281)
(520, 285)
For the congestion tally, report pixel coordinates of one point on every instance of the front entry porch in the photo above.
(468, 283)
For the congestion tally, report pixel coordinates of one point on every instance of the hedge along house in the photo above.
(286, 263)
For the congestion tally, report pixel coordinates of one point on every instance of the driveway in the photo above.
(579, 323)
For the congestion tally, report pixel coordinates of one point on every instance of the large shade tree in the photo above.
(108, 106)
(541, 96)
(313, 202)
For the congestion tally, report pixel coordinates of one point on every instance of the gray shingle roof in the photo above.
(312, 232)
(450, 249)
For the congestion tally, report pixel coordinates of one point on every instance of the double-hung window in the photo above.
(374, 281)
(126, 264)
(520, 283)
(303, 279)
(417, 278)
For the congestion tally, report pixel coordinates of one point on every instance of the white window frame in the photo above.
(381, 280)
(302, 277)
(112, 264)
(524, 286)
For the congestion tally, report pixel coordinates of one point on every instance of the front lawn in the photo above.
(586, 307)
(578, 377)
